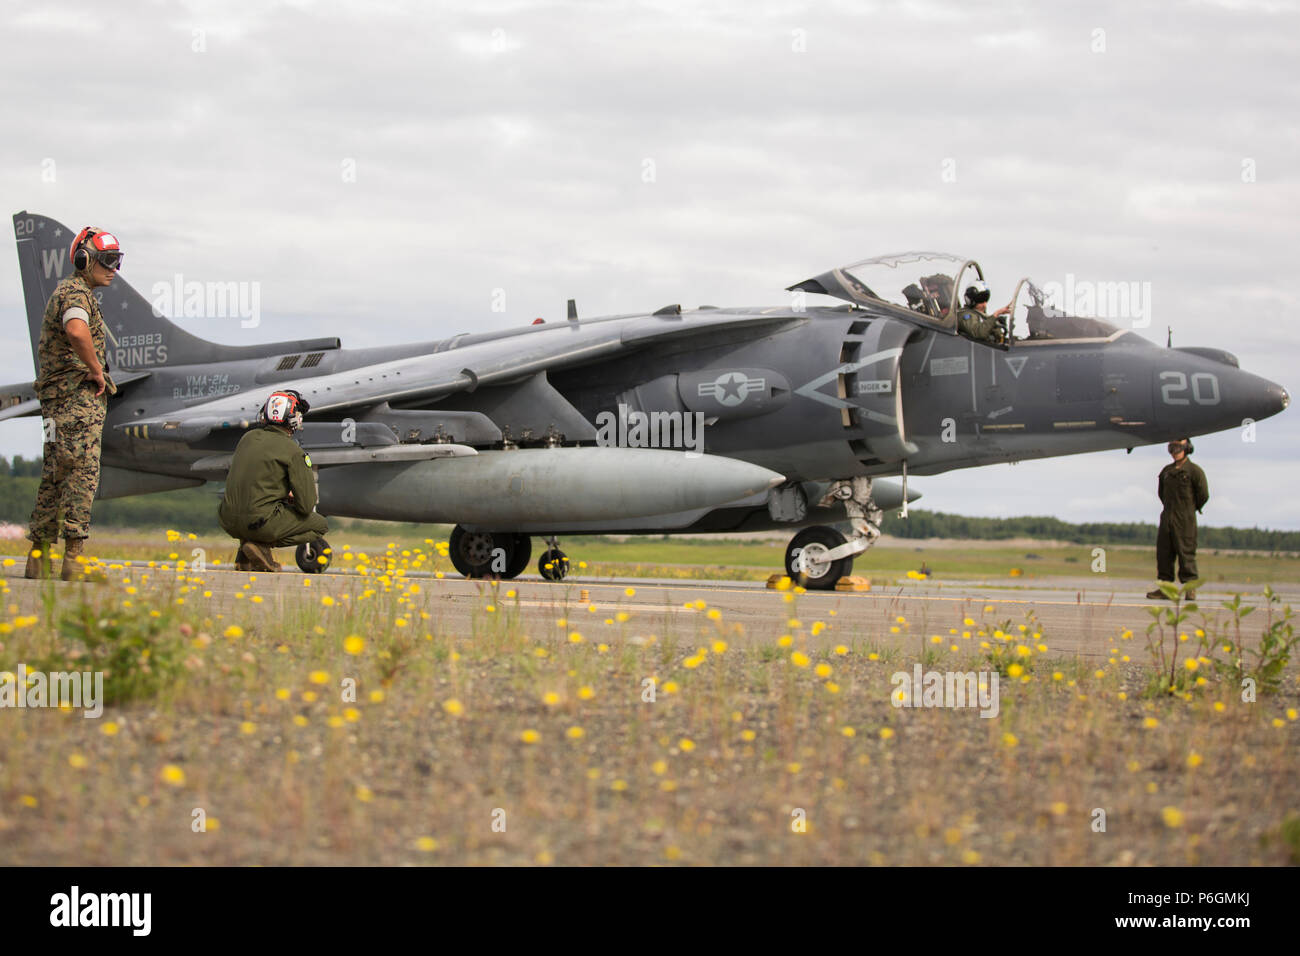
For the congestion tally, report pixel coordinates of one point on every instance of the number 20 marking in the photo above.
(1204, 388)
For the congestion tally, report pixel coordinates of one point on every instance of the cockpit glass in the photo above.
(919, 281)
(1038, 317)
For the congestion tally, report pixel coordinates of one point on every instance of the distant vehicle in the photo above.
(707, 419)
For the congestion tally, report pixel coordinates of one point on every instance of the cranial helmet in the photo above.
(976, 292)
(94, 243)
(285, 408)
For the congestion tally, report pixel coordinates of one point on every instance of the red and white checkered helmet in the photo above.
(285, 407)
(94, 243)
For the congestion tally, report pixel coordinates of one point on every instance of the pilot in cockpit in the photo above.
(974, 321)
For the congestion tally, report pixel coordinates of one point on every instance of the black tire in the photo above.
(553, 565)
(309, 556)
(521, 550)
(472, 552)
(818, 538)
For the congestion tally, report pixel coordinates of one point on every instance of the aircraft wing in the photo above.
(18, 400)
(435, 375)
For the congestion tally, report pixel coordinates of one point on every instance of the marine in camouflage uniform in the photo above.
(270, 496)
(1183, 491)
(74, 419)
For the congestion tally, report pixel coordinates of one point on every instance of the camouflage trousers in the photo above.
(74, 429)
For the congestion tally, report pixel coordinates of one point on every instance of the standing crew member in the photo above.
(270, 495)
(73, 379)
(1183, 491)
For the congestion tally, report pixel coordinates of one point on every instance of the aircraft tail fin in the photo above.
(139, 336)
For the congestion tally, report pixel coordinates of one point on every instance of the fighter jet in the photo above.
(676, 420)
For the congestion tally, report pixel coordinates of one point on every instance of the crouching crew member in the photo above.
(270, 495)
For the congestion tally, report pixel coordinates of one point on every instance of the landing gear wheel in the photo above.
(479, 554)
(804, 561)
(553, 565)
(314, 556)
(520, 551)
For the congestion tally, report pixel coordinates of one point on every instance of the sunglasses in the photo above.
(109, 260)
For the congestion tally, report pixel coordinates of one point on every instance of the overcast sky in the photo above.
(381, 168)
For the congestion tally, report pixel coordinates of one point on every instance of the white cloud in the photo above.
(515, 160)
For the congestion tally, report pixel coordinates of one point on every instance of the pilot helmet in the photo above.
(286, 408)
(976, 293)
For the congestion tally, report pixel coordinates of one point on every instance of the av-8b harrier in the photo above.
(678, 420)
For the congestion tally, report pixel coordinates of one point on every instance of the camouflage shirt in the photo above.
(62, 371)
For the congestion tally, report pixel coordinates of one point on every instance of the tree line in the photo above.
(195, 509)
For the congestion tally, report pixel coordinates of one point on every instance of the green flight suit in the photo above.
(978, 326)
(268, 464)
(1183, 491)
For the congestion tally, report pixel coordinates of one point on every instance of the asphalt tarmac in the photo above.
(1077, 617)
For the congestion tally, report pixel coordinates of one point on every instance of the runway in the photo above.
(1074, 616)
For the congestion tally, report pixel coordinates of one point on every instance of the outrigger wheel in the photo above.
(553, 564)
(314, 556)
(805, 565)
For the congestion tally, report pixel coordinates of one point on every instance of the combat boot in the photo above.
(241, 561)
(38, 561)
(259, 556)
(74, 569)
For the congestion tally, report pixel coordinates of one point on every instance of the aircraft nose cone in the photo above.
(1266, 400)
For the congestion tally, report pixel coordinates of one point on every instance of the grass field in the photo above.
(360, 719)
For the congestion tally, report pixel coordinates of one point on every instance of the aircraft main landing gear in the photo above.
(489, 554)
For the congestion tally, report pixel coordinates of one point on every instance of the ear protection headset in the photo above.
(98, 240)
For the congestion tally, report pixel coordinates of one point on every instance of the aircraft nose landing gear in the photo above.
(818, 557)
